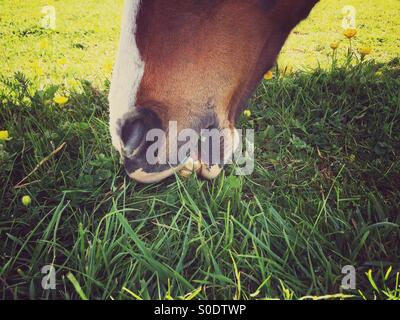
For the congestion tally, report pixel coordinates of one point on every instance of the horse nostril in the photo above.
(134, 129)
(132, 135)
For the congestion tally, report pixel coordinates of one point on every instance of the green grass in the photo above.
(86, 36)
(377, 25)
(325, 193)
(88, 31)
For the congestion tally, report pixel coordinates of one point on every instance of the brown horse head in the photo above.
(192, 63)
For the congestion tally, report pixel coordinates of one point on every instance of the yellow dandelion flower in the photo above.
(4, 135)
(37, 68)
(62, 61)
(269, 75)
(43, 44)
(334, 45)
(39, 71)
(60, 100)
(379, 73)
(73, 83)
(26, 201)
(350, 33)
(247, 113)
(108, 66)
(364, 51)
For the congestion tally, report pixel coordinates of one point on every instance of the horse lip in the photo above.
(141, 176)
(190, 165)
(210, 173)
(205, 171)
(144, 177)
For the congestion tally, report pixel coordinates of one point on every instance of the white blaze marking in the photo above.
(127, 74)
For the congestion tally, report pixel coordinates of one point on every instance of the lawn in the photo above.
(325, 192)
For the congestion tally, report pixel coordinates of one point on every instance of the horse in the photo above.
(193, 63)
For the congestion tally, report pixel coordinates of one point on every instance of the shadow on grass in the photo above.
(325, 194)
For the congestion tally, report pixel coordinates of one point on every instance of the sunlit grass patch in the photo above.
(376, 24)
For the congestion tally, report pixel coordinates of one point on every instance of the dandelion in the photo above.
(108, 66)
(37, 68)
(61, 100)
(247, 113)
(4, 135)
(379, 74)
(269, 75)
(39, 71)
(350, 33)
(364, 51)
(334, 45)
(26, 201)
(73, 83)
(21, 273)
(43, 44)
(62, 61)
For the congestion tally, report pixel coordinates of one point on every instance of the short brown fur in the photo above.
(202, 54)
